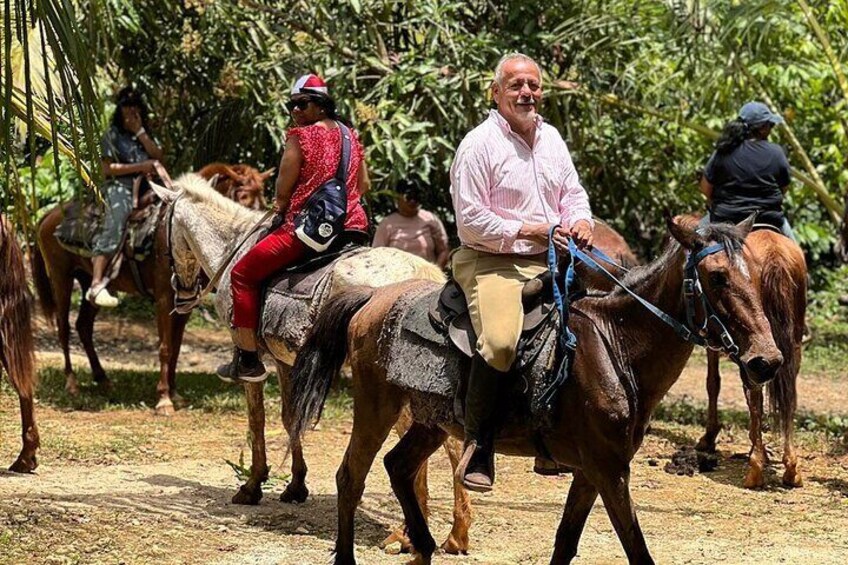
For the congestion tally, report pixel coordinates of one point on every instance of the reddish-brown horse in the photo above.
(783, 285)
(242, 183)
(625, 362)
(16, 345)
(55, 269)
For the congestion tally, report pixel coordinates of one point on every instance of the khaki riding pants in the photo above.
(492, 284)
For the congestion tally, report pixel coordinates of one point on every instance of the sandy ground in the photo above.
(118, 485)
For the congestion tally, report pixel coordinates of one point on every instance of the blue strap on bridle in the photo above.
(567, 341)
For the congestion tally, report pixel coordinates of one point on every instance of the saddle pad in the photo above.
(297, 284)
(84, 221)
(80, 224)
(419, 358)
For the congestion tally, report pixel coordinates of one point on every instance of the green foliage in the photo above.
(656, 80)
(44, 190)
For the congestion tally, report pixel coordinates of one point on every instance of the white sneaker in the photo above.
(100, 297)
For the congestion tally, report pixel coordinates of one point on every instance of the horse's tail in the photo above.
(784, 291)
(321, 357)
(17, 350)
(42, 283)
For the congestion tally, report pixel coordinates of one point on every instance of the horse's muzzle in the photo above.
(761, 370)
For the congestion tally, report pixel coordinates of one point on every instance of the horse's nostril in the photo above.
(763, 369)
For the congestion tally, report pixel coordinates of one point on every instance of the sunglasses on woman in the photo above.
(300, 104)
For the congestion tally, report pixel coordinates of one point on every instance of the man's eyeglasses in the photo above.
(300, 104)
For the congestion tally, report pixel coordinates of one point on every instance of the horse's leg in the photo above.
(296, 490)
(62, 290)
(398, 535)
(791, 476)
(251, 491)
(374, 413)
(758, 458)
(178, 325)
(708, 440)
(85, 330)
(405, 463)
(26, 461)
(457, 541)
(578, 505)
(170, 328)
(613, 484)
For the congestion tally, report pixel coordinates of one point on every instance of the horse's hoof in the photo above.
(755, 479)
(454, 547)
(705, 446)
(164, 408)
(397, 537)
(72, 387)
(294, 494)
(24, 464)
(420, 560)
(178, 401)
(792, 479)
(247, 496)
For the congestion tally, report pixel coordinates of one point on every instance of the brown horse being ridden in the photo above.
(55, 269)
(16, 344)
(624, 364)
(783, 286)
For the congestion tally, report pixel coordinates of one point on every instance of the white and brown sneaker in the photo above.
(99, 296)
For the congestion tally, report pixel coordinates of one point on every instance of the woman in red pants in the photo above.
(310, 158)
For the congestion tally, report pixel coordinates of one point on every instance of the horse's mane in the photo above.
(199, 190)
(730, 236)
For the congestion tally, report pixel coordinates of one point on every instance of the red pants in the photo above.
(278, 250)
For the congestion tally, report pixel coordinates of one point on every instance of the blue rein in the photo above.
(692, 292)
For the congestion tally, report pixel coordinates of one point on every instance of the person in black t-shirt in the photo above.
(747, 173)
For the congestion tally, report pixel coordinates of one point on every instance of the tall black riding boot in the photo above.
(477, 466)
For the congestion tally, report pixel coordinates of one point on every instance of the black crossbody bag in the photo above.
(323, 216)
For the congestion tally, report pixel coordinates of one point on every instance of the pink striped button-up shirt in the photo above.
(498, 183)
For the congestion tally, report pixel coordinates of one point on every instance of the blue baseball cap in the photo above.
(757, 113)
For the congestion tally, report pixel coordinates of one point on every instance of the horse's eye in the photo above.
(718, 279)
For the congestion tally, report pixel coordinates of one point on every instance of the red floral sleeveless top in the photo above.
(322, 150)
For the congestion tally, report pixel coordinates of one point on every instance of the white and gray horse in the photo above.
(204, 227)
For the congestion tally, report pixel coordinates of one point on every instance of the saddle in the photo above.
(449, 316)
(84, 220)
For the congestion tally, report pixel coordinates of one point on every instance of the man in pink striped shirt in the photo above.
(512, 179)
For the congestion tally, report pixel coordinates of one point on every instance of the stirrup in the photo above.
(475, 481)
(100, 296)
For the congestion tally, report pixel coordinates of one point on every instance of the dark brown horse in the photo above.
(625, 362)
(55, 269)
(16, 345)
(783, 286)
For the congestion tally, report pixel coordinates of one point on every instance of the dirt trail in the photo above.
(117, 485)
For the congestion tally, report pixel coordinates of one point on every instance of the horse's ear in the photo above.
(163, 193)
(267, 174)
(685, 235)
(746, 225)
(213, 182)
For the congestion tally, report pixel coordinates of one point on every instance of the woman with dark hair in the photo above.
(128, 152)
(311, 156)
(747, 173)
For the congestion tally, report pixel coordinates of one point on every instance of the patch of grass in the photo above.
(133, 389)
(827, 317)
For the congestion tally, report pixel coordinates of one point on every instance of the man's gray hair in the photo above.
(513, 57)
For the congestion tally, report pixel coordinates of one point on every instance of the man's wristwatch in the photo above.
(141, 131)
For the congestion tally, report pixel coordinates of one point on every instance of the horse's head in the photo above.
(725, 297)
(243, 184)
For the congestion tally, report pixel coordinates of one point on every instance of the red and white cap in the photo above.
(310, 84)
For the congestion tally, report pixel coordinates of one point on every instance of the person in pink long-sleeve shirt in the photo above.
(512, 180)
